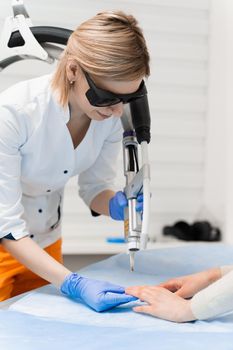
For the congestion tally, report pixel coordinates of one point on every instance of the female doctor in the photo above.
(57, 126)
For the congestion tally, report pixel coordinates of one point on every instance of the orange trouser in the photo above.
(16, 278)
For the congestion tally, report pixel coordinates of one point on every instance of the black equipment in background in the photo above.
(198, 231)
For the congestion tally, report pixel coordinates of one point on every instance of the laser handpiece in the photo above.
(136, 124)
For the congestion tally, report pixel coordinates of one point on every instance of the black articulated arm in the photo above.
(140, 114)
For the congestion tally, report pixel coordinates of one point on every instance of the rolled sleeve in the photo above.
(225, 269)
(11, 209)
(215, 300)
(101, 175)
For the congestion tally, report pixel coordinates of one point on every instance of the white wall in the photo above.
(177, 32)
(229, 125)
(214, 206)
(218, 185)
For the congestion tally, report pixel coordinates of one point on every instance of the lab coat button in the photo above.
(31, 236)
(40, 210)
(65, 171)
(48, 190)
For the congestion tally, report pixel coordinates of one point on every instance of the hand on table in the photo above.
(162, 303)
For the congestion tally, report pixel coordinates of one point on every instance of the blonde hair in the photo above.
(110, 45)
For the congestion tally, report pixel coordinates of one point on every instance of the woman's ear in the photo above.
(72, 71)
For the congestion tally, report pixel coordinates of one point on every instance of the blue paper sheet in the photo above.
(48, 320)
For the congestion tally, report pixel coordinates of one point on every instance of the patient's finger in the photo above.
(146, 309)
(173, 286)
(134, 290)
(146, 293)
(184, 292)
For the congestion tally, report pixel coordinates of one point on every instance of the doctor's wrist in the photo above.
(70, 285)
(116, 205)
(60, 278)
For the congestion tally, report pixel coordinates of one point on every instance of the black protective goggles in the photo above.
(103, 98)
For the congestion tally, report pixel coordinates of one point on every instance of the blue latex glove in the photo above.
(119, 202)
(99, 295)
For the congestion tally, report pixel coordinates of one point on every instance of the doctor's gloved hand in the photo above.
(99, 295)
(119, 202)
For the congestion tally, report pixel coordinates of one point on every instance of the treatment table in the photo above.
(44, 319)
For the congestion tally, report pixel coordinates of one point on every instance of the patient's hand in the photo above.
(162, 303)
(187, 286)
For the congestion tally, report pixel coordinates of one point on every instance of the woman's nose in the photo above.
(117, 110)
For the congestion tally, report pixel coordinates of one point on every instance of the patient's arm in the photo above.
(36, 259)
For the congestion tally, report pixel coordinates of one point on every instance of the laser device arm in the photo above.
(136, 125)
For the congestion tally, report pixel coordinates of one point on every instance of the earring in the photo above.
(71, 82)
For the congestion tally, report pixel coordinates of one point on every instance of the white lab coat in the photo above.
(37, 158)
